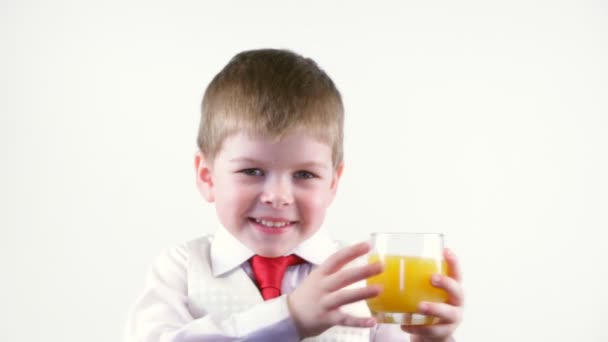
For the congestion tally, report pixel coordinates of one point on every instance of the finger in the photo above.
(429, 330)
(337, 299)
(451, 286)
(454, 270)
(340, 318)
(342, 257)
(345, 277)
(445, 312)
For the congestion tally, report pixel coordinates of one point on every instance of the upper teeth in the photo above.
(272, 224)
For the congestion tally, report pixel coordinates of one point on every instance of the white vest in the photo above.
(235, 291)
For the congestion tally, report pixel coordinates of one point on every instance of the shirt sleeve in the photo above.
(161, 314)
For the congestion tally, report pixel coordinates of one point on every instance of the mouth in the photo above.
(272, 225)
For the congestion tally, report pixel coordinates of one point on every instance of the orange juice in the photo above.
(406, 281)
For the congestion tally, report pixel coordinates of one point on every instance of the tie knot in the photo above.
(269, 272)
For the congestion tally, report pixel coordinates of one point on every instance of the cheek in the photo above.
(314, 203)
(234, 200)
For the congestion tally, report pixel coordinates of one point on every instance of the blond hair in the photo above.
(271, 93)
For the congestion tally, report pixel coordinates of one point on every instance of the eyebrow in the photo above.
(255, 161)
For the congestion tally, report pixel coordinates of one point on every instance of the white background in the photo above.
(484, 120)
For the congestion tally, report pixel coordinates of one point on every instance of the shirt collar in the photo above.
(317, 248)
(228, 253)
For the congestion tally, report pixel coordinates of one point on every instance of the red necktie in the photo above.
(268, 273)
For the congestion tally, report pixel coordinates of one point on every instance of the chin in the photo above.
(273, 251)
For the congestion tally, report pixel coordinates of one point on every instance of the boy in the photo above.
(270, 158)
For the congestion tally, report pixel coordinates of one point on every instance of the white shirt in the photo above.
(161, 313)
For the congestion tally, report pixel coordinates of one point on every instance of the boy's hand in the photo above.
(315, 304)
(449, 314)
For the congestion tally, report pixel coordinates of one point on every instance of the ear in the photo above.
(336, 180)
(204, 181)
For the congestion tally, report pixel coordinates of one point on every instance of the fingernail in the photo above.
(423, 306)
(435, 279)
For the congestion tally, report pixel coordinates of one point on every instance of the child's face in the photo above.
(271, 195)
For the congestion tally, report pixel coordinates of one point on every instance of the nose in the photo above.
(277, 192)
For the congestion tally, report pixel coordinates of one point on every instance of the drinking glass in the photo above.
(409, 259)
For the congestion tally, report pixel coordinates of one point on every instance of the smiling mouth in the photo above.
(272, 226)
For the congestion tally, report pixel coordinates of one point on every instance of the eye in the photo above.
(252, 172)
(304, 175)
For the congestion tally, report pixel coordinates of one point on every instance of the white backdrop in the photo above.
(484, 120)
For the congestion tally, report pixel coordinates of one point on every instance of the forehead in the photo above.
(291, 148)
